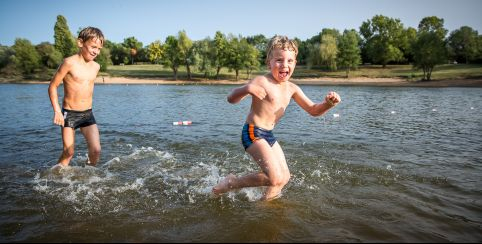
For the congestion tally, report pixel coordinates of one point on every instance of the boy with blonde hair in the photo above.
(271, 94)
(78, 73)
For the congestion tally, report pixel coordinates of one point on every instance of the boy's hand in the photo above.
(257, 91)
(332, 98)
(58, 118)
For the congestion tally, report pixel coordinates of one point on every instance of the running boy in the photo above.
(270, 94)
(78, 72)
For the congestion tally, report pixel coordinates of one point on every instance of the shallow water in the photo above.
(386, 165)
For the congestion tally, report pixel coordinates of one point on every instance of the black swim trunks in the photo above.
(252, 133)
(76, 119)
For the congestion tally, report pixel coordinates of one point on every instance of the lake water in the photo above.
(386, 165)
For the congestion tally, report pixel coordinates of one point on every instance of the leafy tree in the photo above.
(155, 51)
(133, 45)
(49, 56)
(463, 44)
(104, 59)
(26, 57)
(429, 48)
(118, 53)
(250, 56)
(220, 48)
(382, 39)
(303, 52)
(186, 52)
(235, 55)
(65, 42)
(204, 51)
(260, 42)
(171, 57)
(328, 50)
(5, 55)
(349, 50)
(408, 37)
(314, 56)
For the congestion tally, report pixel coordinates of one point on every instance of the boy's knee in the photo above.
(96, 150)
(68, 152)
(276, 181)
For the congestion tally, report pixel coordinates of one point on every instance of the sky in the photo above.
(151, 20)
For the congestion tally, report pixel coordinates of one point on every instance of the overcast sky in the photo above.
(150, 20)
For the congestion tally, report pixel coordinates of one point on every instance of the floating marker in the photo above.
(336, 115)
(393, 112)
(185, 122)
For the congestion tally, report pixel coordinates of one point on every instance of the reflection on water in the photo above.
(386, 165)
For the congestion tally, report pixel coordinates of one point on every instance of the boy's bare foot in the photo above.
(58, 168)
(224, 185)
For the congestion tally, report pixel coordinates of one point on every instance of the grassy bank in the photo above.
(442, 72)
(150, 71)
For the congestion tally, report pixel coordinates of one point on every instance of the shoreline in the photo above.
(322, 81)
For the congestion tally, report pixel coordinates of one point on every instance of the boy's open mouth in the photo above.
(283, 74)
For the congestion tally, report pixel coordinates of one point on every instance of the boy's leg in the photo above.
(272, 175)
(92, 137)
(68, 141)
(274, 191)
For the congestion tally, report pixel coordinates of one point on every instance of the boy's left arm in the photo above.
(315, 109)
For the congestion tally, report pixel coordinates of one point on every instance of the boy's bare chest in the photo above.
(279, 98)
(82, 74)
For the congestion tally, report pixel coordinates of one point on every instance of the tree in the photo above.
(171, 57)
(133, 45)
(118, 53)
(250, 56)
(154, 52)
(463, 44)
(220, 48)
(204, 51)
(349, 50)
(260, 42)
(186, 52)
(65, 42)
(429, 48)
(5, 53)
(104, 59)
(382, 39)
(235, 56)
(49, 56)
(328, 50)
(26, 57)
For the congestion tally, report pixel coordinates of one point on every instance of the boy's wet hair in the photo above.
(280, 42)
(91, 33)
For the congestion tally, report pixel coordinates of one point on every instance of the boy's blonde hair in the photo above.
(280, 42)
(91, 33)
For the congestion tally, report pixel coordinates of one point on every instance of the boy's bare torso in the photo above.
(267, 112)
(79, 85)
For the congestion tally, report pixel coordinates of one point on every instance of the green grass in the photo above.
(151, 71)
(441, 72)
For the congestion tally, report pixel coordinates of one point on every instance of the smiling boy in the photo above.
(78, 73)
(271, 94)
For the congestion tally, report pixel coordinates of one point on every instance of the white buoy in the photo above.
(185, 122)
(336, 115)
(393, 112)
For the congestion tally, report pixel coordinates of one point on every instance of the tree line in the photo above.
(380, 40)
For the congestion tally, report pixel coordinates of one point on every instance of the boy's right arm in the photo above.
(241, 92)
(54, 98)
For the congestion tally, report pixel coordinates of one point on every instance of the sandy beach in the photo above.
(325, 81)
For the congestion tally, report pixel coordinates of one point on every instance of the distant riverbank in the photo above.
(325, 81)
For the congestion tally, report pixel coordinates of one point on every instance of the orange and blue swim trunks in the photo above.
(252, 133)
